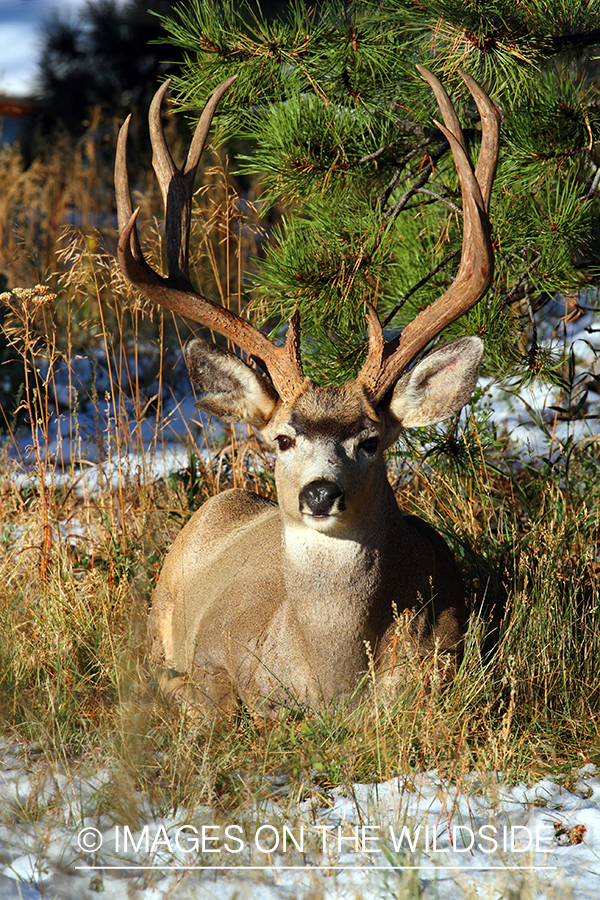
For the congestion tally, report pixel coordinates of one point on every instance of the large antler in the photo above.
(386, 361)
(176, 292)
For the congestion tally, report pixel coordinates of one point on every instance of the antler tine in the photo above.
(203, 127)
(175, 292)
(177, 185)
(488, 152)
(485, 169)
(176, 195)
(386, 361)
(123, 196)
(445, 104)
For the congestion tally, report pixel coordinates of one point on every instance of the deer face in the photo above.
(329, 448)
(330, 441)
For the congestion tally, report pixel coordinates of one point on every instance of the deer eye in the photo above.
(284, 442)
(369, 446)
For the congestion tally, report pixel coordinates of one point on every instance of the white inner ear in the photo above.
(255, 402)
(230, 389)
(439, 385)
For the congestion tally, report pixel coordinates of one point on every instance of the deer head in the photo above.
(433, 390)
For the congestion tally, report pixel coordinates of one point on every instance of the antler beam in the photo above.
(175, 292)
(387, 360)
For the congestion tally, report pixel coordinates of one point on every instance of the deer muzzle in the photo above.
(322, 498)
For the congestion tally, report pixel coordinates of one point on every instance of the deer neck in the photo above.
(336, 585)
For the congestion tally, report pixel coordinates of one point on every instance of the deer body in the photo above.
(256, 636)
(287, 604)
(269, 604)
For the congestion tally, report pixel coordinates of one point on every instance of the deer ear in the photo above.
(230, 389)
(439, 385)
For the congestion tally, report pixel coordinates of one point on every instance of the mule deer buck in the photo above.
(272, 605)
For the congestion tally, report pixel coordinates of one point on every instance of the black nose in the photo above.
(319, 497)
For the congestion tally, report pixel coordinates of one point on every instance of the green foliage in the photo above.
(332, 50)
(507, 44)
(342, 136)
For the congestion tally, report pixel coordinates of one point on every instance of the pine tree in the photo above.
(342, 137)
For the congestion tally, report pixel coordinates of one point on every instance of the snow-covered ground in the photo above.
(414, 836)
(518, 412)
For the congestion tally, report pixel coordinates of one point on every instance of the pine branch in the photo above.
(396, 179)
(524, 278)
(377, 153)
(532, 356)
(593, 186)
(345, 149)
(441, 199)
(449, 256)
(564, 42)
(434, 157)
